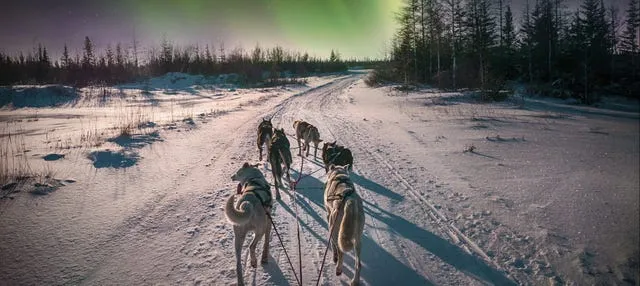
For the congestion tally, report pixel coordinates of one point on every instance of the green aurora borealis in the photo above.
(357, 28)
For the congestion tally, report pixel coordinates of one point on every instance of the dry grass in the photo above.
(44, 182)
(15, 169)
(13, 165)
(91, 137)
(131, 119)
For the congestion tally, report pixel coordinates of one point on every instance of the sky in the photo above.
(356, 28)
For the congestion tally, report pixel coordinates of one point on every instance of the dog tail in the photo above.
(286, 157)
(240, 216)
(276, 161)
(349, 159)
(265, 139)
(346, 236)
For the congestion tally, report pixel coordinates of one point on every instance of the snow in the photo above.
(549, 193)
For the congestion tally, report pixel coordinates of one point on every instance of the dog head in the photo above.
(279, 132)
(339, 168)
(247, 171)
(295, 124)
(335, 170)
(266, 123)
(326, 146)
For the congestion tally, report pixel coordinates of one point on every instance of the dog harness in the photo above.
(254, 184)
(341, 179)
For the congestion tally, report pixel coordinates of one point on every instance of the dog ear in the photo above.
(282, 130)
(246, 165)
(334, 142)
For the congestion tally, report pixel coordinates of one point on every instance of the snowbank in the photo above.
(37, 96)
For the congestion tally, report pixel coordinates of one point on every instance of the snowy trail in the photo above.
(162, 221)
(166, 222)
(391, 241)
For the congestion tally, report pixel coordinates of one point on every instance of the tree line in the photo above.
(120, 64)
(478, 44)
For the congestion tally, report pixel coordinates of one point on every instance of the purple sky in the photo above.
(25, 23)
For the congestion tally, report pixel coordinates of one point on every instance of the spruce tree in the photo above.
(88, 58)
(66, 61)
(629, 39)
(480, 29)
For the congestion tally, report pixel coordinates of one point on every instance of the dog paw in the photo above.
(338, 272)
(254, 263)
(335, 259)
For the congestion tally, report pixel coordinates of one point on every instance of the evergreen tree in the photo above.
(334, 57)
(66, 61)
(613, 40)
(256, 55)
(480, 30)
(629, 39)
(166, 55)
(109, 57)
(508, 47)
(527, 40)
(437, 28)
(544, 39)
(508, 31)
(119, 56)
(88, 58)
(404, 55)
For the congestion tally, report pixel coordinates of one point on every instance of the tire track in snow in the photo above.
(349, 136)
(436, 217)
(290, 112)
(323, 102)
(283, 114)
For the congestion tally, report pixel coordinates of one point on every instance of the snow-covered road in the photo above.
(432, 217)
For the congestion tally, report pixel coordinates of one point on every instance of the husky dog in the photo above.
(311, 135)
(301, 129)
(250, 213)
(279, 154)
(265, 132)
(344, 211)
(333, 153)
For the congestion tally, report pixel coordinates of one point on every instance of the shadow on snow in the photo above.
(374, 256)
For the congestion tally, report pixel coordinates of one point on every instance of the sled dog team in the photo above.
(250, 212)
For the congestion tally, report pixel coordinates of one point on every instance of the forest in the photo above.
(451, 44)
(131, 63)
